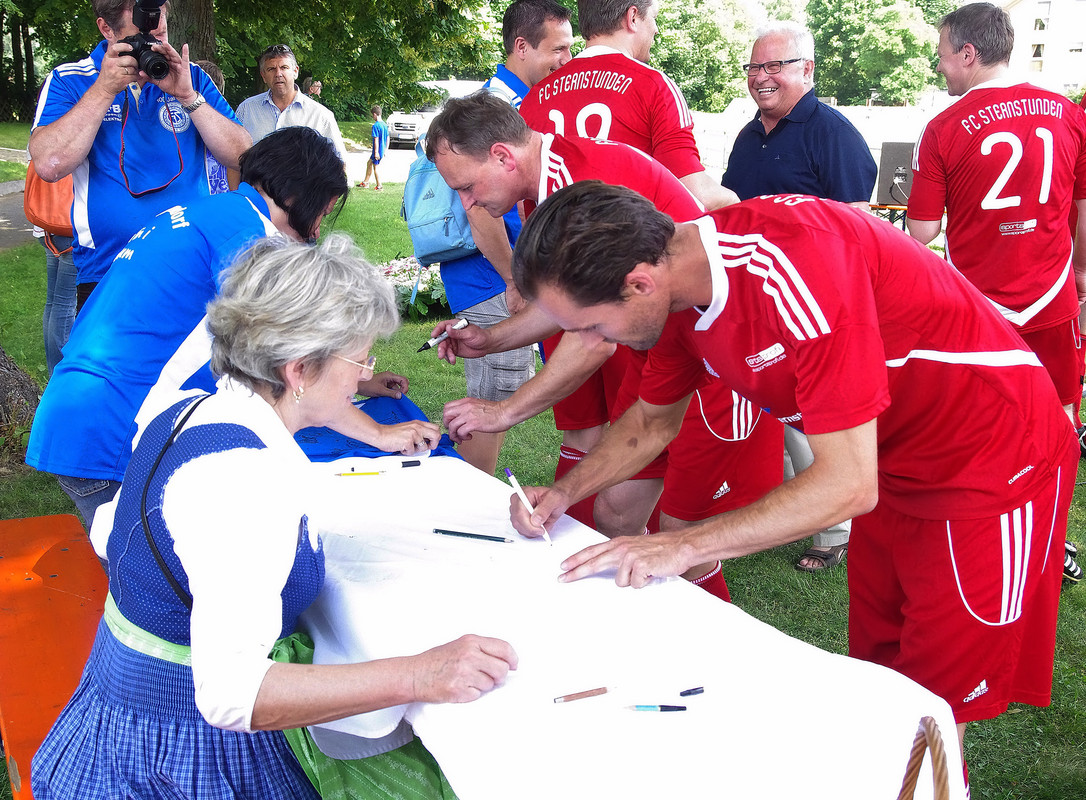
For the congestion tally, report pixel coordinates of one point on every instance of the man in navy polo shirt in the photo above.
(133, 146)
(798, 145)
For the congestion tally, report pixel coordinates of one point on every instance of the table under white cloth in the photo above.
(778, 718)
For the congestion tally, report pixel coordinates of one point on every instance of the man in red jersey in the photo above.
(487, 153)
(609, 92)
(1006, 161)
(957, 534)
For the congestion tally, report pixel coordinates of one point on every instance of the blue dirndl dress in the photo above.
(132, 728)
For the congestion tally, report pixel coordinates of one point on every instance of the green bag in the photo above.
(407, 773)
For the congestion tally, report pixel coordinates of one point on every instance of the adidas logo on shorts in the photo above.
(723, 490)
(982, 688)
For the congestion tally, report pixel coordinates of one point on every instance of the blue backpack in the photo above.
(436, 219)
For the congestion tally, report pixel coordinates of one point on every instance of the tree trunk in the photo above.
(31, 95)
(17, 58)
(192, 22)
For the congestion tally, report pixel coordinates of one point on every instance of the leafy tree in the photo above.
(701, 46)
(364, 52)
(884, 45)
(896, 51)
(935, 10)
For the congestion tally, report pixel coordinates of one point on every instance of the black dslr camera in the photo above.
(145, 15)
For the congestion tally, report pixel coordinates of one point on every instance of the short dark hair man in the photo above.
(285, 104)
(1006, 162)
(609, 92)
(537, 36)
(957, 539)
(488, 153)
(80, 132)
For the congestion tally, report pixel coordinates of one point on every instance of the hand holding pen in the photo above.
(438, 338)
(460, 339)
(525, 505)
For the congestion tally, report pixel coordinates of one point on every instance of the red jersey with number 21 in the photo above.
(1006, 161)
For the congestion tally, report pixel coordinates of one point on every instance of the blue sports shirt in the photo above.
(105, 214)
(141, 330)
(814, 150)
(379, 132)
(471, 280)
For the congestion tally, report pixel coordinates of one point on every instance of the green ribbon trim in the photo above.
(142, 641)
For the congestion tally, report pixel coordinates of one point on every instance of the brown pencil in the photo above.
(567, 698)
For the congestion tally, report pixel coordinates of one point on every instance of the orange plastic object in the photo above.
(52, 590)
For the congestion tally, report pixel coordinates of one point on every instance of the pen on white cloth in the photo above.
(460, 323)
(569, 698)
(524, 499)
(465, 535)
(376, 471)
(656, 708)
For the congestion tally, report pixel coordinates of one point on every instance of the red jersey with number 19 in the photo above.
(605, 94)
(810, 296)
(1006, 161)
(565, 161)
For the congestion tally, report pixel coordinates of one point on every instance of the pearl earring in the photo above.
(298, 394)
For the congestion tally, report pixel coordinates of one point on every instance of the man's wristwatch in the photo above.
(195, 104)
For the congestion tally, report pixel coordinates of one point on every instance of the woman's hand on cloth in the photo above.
(384, 384)
(407, 438)
(463, 670)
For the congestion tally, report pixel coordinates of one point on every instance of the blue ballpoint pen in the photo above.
(657, 708)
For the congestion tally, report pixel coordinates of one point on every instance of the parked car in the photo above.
(405, 127)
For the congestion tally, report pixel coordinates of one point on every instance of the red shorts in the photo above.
(727, 455)
(1060, 350)
(966, 608)
(590, 404)
(603, 397)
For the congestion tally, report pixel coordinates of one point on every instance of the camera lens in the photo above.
(154, 64)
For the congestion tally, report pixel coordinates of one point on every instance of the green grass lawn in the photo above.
(14, 134)
(373, 218)
(1026, 754)
(12, 171)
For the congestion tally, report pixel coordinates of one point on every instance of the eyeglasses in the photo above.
(770, 67)
(277, 50)
(371, 362)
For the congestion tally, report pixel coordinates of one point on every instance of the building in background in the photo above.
(1048, 43)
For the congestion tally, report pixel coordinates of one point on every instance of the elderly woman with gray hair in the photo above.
(212, 559)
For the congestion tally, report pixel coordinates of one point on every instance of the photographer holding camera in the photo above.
(130, 123)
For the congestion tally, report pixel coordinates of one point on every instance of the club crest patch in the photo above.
(171, 110)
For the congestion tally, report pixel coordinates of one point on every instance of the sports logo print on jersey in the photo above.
(173, 118)
(771, 355)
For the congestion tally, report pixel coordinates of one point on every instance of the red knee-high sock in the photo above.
(568, 458)
(713, 582)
